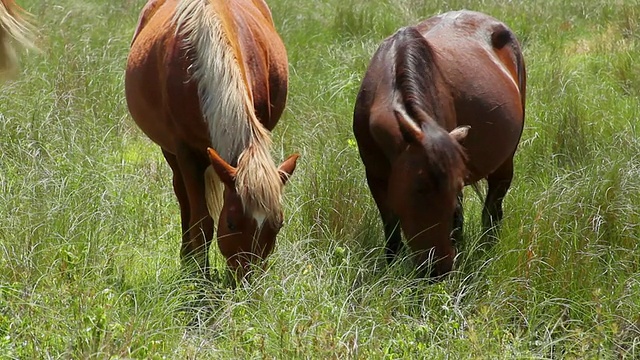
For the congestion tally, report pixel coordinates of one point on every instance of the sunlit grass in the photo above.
(89, 233)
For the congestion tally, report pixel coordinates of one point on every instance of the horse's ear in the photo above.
(287, 167)
(226, 172)
(410, 132)
(460, 133)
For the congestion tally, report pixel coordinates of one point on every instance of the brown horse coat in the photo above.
(213, 73)
(460, 73)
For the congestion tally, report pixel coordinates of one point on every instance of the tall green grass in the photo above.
(89, 232)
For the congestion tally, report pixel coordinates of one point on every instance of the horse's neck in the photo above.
(218, 70)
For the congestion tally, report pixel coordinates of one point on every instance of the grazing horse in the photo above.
(441, 106)
(14, 30)
(206, 80)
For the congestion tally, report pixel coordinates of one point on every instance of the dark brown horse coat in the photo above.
(454, 79)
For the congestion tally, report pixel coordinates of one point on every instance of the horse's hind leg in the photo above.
(391, 223)
(498, 183)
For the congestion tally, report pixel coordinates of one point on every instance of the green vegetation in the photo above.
(89, 232)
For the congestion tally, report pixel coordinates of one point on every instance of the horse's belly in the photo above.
(493, 137)
(144, 99)
(151, 121)
(484, 157)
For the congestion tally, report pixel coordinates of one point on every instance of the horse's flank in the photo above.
(227, 107)
(14, 30)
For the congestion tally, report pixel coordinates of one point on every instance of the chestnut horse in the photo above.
(441, 106)
(206, 80)
(14, 31)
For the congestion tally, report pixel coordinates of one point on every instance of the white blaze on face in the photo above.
(260, 217)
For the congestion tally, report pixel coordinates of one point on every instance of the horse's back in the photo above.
(467, 41)
(483, 85)
(480, 59)
(476, 48)
(161, 92)
(145, 15)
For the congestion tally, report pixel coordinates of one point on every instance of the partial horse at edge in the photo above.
(15, 32)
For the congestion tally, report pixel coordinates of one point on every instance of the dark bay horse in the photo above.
(206, 80)
(441, 106)
(15, 31)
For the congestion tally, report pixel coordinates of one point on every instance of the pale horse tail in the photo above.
(15, 32)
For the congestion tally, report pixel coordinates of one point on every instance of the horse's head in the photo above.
(423, 187)
(246, 236)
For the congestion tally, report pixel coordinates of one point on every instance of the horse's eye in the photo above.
(231, 225)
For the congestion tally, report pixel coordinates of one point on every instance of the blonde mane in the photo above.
(227, 106)
(14, 30)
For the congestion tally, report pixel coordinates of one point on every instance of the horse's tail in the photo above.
(522, 72)
(226, 101)
(14, 30)
(502, 36)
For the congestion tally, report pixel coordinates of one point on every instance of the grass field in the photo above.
(89, 232)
